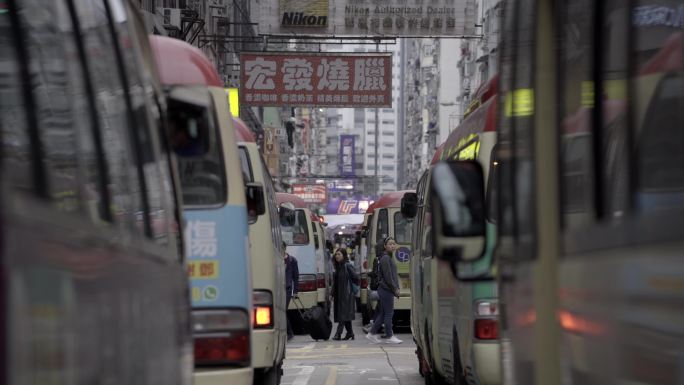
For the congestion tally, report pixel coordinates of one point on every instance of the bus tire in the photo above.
(271, 376)
(459, 377)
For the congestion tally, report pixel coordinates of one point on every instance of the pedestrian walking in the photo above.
(291, 284)
(388, 290)
(343, 296)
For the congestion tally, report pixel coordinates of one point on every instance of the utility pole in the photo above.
(377, 129)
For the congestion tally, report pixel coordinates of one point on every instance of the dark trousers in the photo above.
(344, 325)
(385, 314)
(288, 297)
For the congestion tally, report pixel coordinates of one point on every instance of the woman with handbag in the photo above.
(345, 285)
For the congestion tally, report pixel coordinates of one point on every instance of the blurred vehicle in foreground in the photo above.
(92, 280)
(590, 185)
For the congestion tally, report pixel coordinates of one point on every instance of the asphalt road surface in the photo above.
(351, 362)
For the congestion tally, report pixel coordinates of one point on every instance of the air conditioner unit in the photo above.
(172, 16)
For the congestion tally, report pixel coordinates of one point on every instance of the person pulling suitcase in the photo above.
(291, 284)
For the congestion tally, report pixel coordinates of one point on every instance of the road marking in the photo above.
(302, 377)
(383, 378)
(332, 376)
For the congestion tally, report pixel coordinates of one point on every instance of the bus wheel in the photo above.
(272, 376)
(459, 378)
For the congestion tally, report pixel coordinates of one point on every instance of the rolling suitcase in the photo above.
(316, 321)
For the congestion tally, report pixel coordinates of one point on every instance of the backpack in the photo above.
(375, 274)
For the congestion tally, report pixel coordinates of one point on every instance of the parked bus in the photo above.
(91, 262)
(216, 209)
(301, 244)
(363, 247)
(388, 221)
(269, 322)
(591, 231)
(323, 263)
(454, 321)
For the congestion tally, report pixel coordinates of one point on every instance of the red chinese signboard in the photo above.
(309, 79)
(310, 193)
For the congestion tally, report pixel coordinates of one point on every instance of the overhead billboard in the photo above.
(310, 193)
(346, 160)
(387, 18)
(316, 79)
(352, 204)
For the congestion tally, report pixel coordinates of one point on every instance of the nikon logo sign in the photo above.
(299, 19)
(304, 13)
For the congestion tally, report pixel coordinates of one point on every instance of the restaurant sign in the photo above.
(312, 79)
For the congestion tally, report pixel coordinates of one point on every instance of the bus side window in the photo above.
(383, 226)
(56, 111)
(143, 130)
(113, 119)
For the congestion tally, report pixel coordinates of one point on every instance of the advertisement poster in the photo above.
(351, 204)
(386, 18)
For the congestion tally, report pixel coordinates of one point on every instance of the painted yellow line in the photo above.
(332, 376)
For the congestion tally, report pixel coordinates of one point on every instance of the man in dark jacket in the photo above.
(291, 284)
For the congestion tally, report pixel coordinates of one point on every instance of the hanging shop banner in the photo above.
(347, 155)
(310, 193)
(386, 18)
(311, 79)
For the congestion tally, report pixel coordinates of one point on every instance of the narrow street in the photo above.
(351, 362)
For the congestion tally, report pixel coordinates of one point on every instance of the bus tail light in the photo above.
(221, 337)
(364, 281)
(486, 329)
(262, 317)
(307, 282)
(321, 281)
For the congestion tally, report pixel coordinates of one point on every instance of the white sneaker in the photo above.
(393, 340)
(374, 338)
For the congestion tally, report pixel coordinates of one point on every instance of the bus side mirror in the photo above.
(256, 205)
(457, 196)
(409, 205)
(286, 216)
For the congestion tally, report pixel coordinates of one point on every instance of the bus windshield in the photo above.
(298, 234)
(402, 228)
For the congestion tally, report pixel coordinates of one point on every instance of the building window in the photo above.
(388, 133)
(388, 144)
(388, 167)
(388, 156)
(388, 122)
